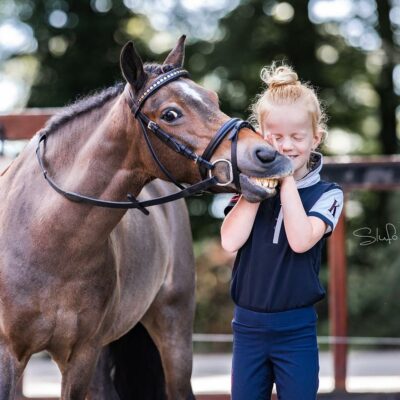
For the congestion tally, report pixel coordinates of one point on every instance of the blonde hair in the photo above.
(284, 87)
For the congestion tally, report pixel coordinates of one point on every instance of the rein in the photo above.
(231, 127)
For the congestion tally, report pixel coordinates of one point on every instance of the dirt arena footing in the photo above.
(324, 396)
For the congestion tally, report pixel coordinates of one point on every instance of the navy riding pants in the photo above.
(278, 348)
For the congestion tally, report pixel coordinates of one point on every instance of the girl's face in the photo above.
(289, 128)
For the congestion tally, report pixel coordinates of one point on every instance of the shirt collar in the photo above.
(313, 175)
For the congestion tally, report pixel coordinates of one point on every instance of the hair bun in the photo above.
(279, 76)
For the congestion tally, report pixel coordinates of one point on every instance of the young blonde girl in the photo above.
(275, 280)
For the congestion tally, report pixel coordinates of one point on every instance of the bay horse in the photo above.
(75, 276)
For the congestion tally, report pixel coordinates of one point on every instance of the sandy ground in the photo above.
(368, 371)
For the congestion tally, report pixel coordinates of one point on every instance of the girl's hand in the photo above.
(279, 148)
(273, 142)
(270, 140)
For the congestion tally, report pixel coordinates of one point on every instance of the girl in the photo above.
(275, 276)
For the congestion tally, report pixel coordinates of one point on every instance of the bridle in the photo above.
(231, 127)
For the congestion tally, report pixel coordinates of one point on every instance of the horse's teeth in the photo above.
(265, 182)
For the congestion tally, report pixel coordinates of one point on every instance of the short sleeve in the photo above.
(328, 208)
(231, 204)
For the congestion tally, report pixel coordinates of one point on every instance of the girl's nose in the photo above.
(286, 144)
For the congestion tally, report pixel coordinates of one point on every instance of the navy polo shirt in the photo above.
(268, 276)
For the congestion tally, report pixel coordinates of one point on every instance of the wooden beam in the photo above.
(366, 172)
(24, 125)
(352, 172)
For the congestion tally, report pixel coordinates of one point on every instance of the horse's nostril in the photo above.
(265, 154)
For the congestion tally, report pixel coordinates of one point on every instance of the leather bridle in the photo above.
(231, 127)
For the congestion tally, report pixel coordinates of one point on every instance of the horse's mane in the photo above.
(96, 100)
(83, 106)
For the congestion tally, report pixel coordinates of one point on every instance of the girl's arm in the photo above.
(237, 225)
(302, 231)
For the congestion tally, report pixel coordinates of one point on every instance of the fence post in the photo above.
(338, 300)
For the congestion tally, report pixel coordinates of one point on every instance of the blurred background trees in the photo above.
(53, 51)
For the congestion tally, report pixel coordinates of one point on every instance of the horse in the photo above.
(78, 268)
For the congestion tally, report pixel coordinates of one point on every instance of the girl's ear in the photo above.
(317, 139)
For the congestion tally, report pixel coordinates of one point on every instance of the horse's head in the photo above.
(190, 114)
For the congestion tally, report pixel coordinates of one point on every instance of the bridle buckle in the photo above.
(152, 126)
(230, 169)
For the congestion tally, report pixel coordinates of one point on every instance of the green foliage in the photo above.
(78, 47)
(214, 306)
(374, 269)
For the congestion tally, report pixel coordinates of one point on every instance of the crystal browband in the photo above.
(161, 81)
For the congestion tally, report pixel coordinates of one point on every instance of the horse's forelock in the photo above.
(157, 69)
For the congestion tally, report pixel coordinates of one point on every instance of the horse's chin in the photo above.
(254, 191)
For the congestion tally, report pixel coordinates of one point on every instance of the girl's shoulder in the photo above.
(325, 186)
(327, 205)
(319, 191)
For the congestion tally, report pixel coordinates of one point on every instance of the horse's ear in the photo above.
(132, 66)
(176, 56)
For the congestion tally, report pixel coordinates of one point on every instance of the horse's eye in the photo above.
(170, 115)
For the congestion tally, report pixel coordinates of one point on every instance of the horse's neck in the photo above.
(99, 163)
(95, 152)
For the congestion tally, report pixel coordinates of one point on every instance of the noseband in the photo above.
(231, 127)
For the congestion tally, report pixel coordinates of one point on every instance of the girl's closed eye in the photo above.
(298, 138)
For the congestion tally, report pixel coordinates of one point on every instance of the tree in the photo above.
(384, 86)
(78, 46)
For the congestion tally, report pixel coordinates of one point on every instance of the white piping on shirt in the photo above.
(278, 227)
(310, 179)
